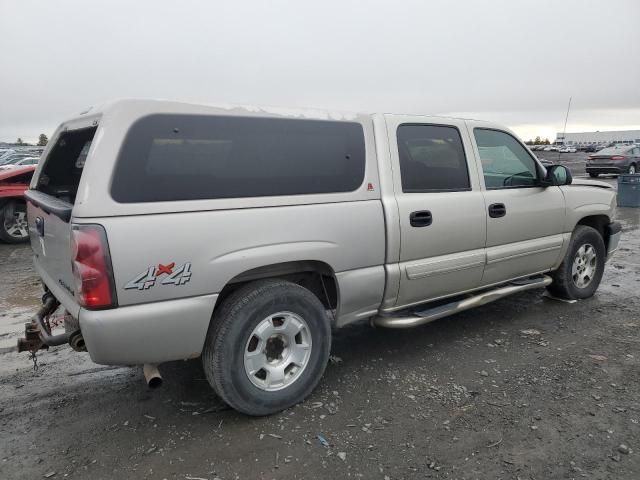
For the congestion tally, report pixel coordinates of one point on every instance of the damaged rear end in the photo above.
(72, 259)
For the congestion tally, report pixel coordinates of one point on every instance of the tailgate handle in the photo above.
(497, 210)
(420, 218)
(40, 226)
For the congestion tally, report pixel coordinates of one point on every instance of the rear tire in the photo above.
(593, 175)
(267, 347)
(581, 270)
(13, 222)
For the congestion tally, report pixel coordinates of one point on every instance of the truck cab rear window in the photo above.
(188, 157)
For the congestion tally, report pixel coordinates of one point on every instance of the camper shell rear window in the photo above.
(64, 164)
(169, 157)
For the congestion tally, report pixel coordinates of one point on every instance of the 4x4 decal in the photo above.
(148, 278)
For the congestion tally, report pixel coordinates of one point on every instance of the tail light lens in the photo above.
(618, 157)
(91, 266)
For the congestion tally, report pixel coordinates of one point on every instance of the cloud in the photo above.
(515, 61)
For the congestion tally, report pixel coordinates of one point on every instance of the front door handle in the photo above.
(497, 210)
(421, 218)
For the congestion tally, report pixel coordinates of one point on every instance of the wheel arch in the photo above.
(598, 223)
(316, 276)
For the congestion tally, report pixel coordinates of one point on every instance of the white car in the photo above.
(567, 149)
(21, 162)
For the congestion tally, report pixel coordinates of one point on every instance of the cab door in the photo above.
(441, 208)
(525, 220)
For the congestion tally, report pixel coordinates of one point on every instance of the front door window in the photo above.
(505, 162)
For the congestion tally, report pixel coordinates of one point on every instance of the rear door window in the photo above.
(432, 159)
(188, 157)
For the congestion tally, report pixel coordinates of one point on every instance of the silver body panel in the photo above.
(379, 261)
(148, 333)
(222, 244)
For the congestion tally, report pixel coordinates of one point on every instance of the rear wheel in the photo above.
(581, 270)
(633, 169)
(593, 174)
(267, 347)
(13, 222)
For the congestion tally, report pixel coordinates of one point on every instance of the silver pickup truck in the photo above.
(166, 231)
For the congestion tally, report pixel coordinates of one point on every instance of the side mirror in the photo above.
(557, 175)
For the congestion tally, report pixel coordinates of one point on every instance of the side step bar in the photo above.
(429, 315)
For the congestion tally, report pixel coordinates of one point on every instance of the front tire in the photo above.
(593, 174)
(580, 272)
(267, 347)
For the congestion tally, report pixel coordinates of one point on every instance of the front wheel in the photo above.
(581, 270)
(267, 347)
(13, 222)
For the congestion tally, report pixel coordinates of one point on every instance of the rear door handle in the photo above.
(421, 218)
(497, 210)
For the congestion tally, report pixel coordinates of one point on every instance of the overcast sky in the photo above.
(514, 62)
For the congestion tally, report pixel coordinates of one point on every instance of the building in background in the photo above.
(588, 138)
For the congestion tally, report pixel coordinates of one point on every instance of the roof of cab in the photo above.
(168, 106)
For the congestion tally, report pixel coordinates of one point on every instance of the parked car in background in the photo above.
(13, 158)
(13, 219)
(4, 155)
(614, 160)
(590, 148)
(19, 162)
(567, 149)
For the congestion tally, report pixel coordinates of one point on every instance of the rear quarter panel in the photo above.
(219, 245)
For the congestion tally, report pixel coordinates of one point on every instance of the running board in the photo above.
(431, 314)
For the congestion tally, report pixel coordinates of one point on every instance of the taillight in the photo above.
(91, 266)
(618, 157)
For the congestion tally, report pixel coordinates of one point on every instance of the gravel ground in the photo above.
(524, 388)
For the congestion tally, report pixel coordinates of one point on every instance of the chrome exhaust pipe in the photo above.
(152, 375)
(76, 341)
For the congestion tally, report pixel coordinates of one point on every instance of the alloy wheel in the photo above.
(278, 351)
(584, 266)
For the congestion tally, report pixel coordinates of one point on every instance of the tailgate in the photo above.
(49, 205)
(50, 237)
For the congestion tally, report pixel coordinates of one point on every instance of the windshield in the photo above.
(6, 155)
(13, 159)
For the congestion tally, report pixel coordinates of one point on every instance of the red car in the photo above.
(13, 210)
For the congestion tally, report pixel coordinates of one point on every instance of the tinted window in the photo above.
(431, 159)
(188, 157)
(505, 162)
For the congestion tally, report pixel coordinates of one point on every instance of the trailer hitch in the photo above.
(38, 331)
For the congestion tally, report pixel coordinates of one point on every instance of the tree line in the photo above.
(42, 141)
(538, 141)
